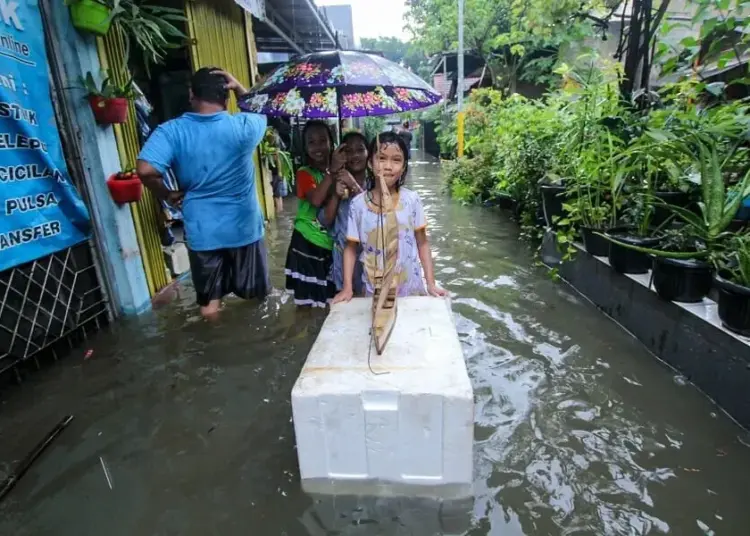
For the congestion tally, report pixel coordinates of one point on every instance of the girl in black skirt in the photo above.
(308, 262)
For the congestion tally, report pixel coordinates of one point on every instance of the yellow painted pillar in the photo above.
(111, 49)
(460, 133)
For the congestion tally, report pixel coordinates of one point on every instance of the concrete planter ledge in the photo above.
(688, 337)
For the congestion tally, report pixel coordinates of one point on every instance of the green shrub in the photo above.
(469, 180)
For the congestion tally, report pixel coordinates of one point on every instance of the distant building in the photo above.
(342, 21)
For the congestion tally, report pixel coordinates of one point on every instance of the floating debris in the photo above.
(106, 473)
(24, 466)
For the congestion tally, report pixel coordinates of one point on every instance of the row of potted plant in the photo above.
(656, 188)
(689, 250)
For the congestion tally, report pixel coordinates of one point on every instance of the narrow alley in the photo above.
(578, 430)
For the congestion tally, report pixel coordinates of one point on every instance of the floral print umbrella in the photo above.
(339, 84)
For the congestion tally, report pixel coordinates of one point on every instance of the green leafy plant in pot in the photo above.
(638, 168)
(594, 195)
(109, 101)
(683, 264)
(733, 284)
(591, 98)
(684, 119)
(153, 29)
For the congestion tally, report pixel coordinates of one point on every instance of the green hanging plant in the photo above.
(150, 28)
(274, 157)
(108, 89)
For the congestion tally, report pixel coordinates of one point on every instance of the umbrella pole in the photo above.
(338, 113)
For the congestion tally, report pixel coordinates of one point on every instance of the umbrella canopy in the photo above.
(339, 84)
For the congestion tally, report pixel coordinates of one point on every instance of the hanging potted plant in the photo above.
(275, 158)
(125, 187)
(109, 102)
(153, 29)
(93, 16)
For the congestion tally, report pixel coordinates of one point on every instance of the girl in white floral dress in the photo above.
(390, 160)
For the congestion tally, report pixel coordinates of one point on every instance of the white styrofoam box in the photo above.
(177, 258)
(411, 422)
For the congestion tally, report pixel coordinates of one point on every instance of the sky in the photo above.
(375, 18)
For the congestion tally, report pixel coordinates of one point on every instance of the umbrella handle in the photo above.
(338, 112)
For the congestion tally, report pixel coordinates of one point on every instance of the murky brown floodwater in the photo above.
(578, 429)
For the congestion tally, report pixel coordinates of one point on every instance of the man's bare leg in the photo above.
(279, 204)
(211, 310)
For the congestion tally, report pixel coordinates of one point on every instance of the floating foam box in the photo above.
(177, 258)
(408, 421)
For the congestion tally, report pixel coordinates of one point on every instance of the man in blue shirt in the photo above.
(211, 153)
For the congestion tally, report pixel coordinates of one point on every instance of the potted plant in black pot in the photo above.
(641, 163)
(733, 284)
(632, 236)
(594, 195)
(685, 259)
(553, 197)
(593, 100)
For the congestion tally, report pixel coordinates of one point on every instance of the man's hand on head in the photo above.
(232, 84)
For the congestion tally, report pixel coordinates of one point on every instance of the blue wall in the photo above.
(117, 240)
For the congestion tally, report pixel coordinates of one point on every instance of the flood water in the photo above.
(578, 429)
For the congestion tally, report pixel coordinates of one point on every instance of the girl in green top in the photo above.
(308, 262)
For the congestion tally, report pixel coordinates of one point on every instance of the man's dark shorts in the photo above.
(242, 271)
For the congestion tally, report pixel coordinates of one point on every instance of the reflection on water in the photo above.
(372, 516)
(578, 429)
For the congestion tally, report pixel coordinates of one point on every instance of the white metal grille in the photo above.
(46, 301)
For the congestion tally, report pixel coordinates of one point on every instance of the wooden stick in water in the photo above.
(27, 462)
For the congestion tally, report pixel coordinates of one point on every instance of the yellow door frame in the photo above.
(145, 213)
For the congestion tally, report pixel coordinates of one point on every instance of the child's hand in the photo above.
(348, 180)
(436, 291)
(341, 190)
(344, 296)
(338, 159)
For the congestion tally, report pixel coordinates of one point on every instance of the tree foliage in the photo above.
(505, 33)
(405, 53)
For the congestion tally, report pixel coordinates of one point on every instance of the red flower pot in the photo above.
(109, 111)
(125, 190)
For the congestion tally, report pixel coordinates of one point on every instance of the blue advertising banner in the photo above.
(41, 211)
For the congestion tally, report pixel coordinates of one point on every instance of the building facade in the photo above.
(71, 259)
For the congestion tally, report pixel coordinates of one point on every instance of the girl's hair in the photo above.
(316, 123)
(355, 134)
(389, 138)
